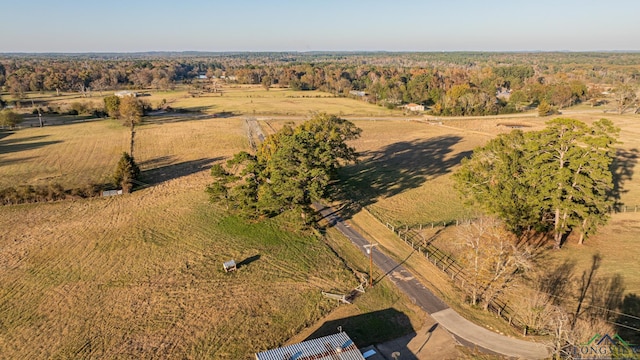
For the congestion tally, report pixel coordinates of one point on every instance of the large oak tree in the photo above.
(290, 169)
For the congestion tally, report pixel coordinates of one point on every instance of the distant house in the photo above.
(503, 93)
(336, 346)
(125, 93)
(358, 93)
(414, 107)
(202, 77)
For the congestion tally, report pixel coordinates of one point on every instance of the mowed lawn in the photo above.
(140, 275)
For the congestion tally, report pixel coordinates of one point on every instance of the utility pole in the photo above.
(369, 249)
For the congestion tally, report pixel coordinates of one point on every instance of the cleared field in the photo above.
(76, 154)
(404, 178)
(237, 99)
(404, 173)
(251, 100)
(73, 155)
(140, 276)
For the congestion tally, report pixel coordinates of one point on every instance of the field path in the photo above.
(464, 330)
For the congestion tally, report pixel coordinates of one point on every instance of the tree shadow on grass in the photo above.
(5, 133)
(163, 169)
(394, 169)
(4, 162)
(29, 143)
(628, 320)
(622, 169)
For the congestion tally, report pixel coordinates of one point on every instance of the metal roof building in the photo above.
(333, 347)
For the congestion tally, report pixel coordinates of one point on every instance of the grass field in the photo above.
(236, 99)
(72, 155)
(404, 178)
(404, 174)
(141, 275)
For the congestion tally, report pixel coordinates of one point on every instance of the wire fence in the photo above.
(412, 236)
(625, 208)
(455, 271)
(448, 265)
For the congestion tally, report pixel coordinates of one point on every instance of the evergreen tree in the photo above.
(290, 169)
(570, 166)
(9, 118)
(126, 173)
(112, 106)
(557, 179)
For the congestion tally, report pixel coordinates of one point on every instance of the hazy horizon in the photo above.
(38, 26)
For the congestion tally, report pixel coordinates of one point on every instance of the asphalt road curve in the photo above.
(465, 331)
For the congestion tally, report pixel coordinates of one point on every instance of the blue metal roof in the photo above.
(333, 347)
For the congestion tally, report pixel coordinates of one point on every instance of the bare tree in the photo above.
(131, 110)
(625, 97)
(492, 257)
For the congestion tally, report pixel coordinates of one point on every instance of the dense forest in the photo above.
(464, 83)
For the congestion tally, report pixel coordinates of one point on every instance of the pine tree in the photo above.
(557, 179)
(126, 173)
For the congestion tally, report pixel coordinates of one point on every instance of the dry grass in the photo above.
(405, 169)
(438, 282)
(404, 178)
(238, 99)
(380, 303)
(406, 165)
(76, 154)
(73, 155)
(255, 100)
(140, 275)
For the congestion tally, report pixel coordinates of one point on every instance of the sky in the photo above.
(322, 25)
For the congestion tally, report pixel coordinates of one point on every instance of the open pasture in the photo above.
(140, 275)
(404, 172)
(234, 99)
(76, 154)
(251, 100)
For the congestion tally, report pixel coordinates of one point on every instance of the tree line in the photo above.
(451, 83)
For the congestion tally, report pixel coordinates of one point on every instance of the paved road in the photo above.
(467, 332)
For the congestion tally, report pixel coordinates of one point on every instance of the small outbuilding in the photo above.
(358, 93)
(126, 93)
(336, 346)
(229, 266)
(414, 107)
